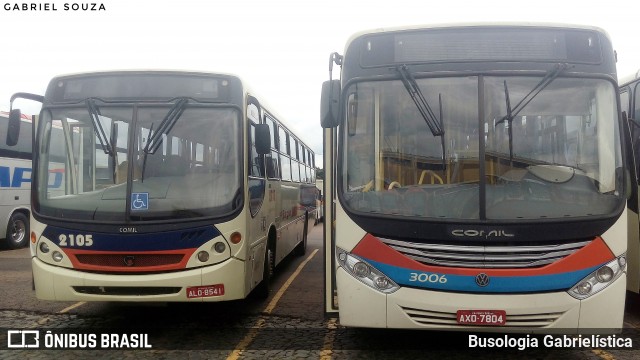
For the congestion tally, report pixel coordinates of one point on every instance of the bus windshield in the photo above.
(193, 172)
(563, 161)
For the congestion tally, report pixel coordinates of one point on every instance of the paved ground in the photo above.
(291, 324)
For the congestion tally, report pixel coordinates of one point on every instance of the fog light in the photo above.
(203, 256)
(44, 247)
(219, 247)
(360, 269)
(584, 288)
(382, 282)
(604, 274)
(57, 256)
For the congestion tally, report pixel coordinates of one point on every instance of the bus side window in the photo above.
(256, 167)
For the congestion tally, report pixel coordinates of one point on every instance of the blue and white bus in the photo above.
(15, 184)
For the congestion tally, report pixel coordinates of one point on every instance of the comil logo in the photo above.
(21, 339)
(474, 233)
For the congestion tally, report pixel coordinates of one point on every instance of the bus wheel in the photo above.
(301, 249)
(262, 290)
(17, 231)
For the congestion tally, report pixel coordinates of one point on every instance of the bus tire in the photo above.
(262, 290)
(301, 248)
(17, 231)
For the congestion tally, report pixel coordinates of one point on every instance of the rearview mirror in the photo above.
(329, 104)
(13, 129)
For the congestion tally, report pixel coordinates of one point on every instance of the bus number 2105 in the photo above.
(75, 240)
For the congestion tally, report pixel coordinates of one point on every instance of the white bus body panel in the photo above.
(365, 307)
(362, 306)
(56, 283)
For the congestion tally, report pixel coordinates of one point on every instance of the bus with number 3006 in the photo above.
(478, 179)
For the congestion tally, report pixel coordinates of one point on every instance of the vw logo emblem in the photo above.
(482, 280)
(129, 260)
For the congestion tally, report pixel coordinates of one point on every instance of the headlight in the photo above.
(203, 256)
(44, 248)
(57, 256)
(219, 247)
(599, 279)
(364, 272)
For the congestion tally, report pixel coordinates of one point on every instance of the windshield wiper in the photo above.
(108, 145)
(166, 125)
(418, 98)
(94, 113)
(434, 123)
(512, 113)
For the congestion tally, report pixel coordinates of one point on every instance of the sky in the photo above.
(281, 47)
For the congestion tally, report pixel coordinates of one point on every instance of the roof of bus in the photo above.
(473, 25)
(629, 78)
(250, 90)
(140, 71)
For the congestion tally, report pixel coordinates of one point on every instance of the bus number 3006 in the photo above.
(75, 240)
(426, 277)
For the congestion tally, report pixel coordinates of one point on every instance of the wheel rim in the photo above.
(18, 229)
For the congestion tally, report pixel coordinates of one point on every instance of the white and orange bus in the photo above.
(478, 180)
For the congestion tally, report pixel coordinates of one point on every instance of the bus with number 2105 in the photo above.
(173, 186)
(479, 180)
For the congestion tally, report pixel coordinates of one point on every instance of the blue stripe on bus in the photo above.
(497, 284)
(160, 241)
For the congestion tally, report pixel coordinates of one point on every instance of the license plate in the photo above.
(205, 291)
(482, 317)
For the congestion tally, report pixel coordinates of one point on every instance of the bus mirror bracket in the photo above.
(263, 139)
(329, 104)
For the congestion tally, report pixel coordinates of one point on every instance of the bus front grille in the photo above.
(449, 319)
(470, 256)
(129, 260)
(127, 290)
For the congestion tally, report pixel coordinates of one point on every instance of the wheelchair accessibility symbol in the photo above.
(140, 201)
